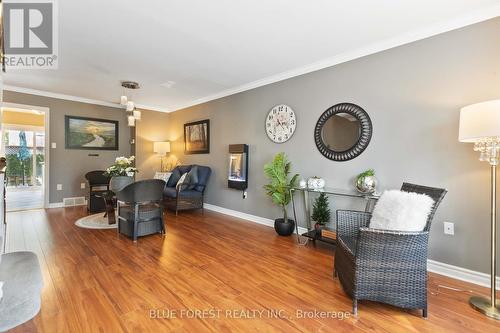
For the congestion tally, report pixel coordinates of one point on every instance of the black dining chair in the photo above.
(97, 184)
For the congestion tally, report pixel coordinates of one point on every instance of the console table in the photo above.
(311, 233)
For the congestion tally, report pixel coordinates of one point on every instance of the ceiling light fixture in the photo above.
(123, 100)
(137, 114)
(131, 121)
(132, 113)
(130, 85)
(130, 106)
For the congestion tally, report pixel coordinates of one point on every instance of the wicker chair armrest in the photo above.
(392, 249)
(350, 221)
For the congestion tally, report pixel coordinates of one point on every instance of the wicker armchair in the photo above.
(140, 208)
(98, 185)
(381, 265)
(186, 196)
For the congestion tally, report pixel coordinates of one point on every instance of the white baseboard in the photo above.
(433, 266)
(55, 205)
(61, 205)
(245, 216)
(461, 273)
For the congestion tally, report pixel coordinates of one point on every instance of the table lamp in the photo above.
(161, 148)
(480, 124)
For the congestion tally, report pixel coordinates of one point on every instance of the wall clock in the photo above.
(280, 123)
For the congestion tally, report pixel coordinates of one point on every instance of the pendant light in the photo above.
(130, 106)
(123, 100)
(137, 114)
(132, 114)
(131, 121)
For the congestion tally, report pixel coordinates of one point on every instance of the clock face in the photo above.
(280, 123)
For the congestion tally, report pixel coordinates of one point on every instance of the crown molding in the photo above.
(60, 96)
(77, 98)
(153, 108)
(406, 38)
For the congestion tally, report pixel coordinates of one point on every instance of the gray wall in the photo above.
(68, 166)
(412, 93)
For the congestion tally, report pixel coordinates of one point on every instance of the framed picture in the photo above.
(197, 137)
(91, 133)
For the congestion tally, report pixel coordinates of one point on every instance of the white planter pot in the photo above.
(117, 183)
(316, 183)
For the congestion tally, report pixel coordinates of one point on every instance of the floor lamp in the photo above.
(480, 124)
(161, 148)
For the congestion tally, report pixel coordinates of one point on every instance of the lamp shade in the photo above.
(130, 106)
(123, 100)
(161, 147)
(131, 121)
(479, 121)
(137, 115)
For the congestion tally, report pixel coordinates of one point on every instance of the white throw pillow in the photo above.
(401, 211)
(163, 176)
(181, 180)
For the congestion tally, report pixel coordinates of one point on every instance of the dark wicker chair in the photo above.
(98, 185)
(381, 265)
(189, 195)
(140, 208)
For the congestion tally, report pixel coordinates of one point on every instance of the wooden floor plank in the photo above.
(99, 281)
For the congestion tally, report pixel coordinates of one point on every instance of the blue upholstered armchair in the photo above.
(189, 194)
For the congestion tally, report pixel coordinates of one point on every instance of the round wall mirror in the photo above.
(343, 132)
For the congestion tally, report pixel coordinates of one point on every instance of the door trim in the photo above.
(46, 111)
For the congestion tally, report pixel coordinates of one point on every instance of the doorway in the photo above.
(24, 144)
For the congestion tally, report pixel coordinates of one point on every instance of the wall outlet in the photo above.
(53, 145)
(82, 185)
(59, 187)
(449, 228)
(245, 194)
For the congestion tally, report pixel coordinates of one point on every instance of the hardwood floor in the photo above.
(97, 281)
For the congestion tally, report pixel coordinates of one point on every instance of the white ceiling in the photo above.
(214, 48)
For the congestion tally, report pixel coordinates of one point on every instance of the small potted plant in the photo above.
(366, 182)
(278, 172)
(121, 172)
(321, 212)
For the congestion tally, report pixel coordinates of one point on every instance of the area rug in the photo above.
(96, 221)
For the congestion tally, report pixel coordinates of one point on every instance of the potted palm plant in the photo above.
(278, 172)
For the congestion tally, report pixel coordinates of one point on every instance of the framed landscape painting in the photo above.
(91, 133)
(197, 137)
